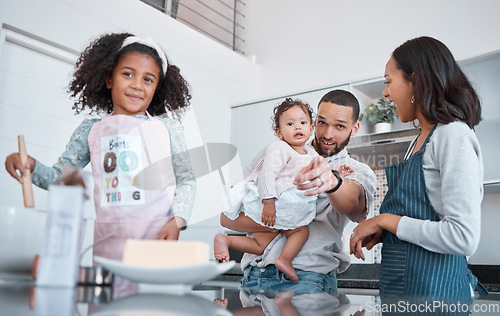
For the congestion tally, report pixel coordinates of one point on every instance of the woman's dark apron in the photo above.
(408, 270)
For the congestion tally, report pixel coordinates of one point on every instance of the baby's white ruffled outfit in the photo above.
(272, 177)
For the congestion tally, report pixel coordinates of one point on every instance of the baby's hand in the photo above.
(268, 212)
(345, 170)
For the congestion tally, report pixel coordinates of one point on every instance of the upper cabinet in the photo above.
(484, 74)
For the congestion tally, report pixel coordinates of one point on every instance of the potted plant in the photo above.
(381, 114)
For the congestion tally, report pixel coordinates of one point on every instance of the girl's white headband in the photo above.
(147, 41)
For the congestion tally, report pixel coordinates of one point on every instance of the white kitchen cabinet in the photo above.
(484, 74)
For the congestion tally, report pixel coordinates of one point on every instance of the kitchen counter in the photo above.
(221, 296)
(367, 276)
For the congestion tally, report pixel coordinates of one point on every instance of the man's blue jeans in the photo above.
(270, 280)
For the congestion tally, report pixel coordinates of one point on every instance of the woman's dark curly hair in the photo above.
(96, 63)
(286, 105)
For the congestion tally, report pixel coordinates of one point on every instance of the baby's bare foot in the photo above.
(222, 303)
(221, 249)
(287, 268)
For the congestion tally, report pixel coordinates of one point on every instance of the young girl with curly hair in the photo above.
(144, 185)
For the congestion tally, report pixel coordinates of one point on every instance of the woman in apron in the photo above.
(144, 185)
(429, 220)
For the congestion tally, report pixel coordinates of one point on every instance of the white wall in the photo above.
(309, 44)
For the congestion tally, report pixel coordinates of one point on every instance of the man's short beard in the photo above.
(338, 147)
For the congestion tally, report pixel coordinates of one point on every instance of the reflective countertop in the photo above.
(22, 297)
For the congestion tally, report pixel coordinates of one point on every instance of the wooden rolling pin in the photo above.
(29, 201)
